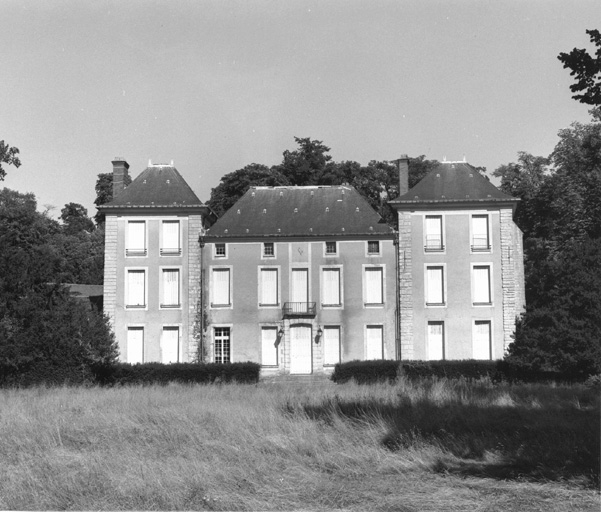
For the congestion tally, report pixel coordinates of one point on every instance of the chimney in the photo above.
(120, 167)
(403, 163)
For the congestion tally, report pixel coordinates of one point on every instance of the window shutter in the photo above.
(435, 341)
(171, 236)
(269, 286)
(434, 232)
(481, 340)
(170, 345)
(135, 288)
(374, 343)
(221, 286)
(480, 231)
(331, 345)
(136, 235)
(434, 279)
(373, 286)
(171, 287)
(135, 345)
(331, 286)
(269, 351)
(481, 276)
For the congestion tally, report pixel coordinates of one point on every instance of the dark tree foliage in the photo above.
(75, 219)
(586, 69)
(104, 192)
(304, 165)
(8, 156)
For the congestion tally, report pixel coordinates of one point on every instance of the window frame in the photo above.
(489, 266)
(170, 252)
(475, 249)
(229, 329)
(370, 268)
(444, 339)
(129, 306)
(444, 302)
(265, 252)
(322, 270)
(216, 254)
(162, 303)
(366, 329)
(137, 252)
(260, 271)
(276, 346)
(135, 327)
(332, 328)
(328, 254)
(488, 321)
(172, 327)
(369, 253)
(230, 270)
(441, 248)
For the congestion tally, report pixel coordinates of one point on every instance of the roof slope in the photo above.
(453, 182)
(158, 185)
(300, 211)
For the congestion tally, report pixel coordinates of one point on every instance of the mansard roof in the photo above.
(453, 182)
(158, 186)
(300, 211)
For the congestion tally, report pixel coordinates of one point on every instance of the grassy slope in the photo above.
(434, 446)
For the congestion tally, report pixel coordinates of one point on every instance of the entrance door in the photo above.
(300, 349)
(299, 295)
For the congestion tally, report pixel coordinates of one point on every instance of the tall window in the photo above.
(434, 233)
(480, 234)
(221, 287)
(373, 247)
(331, 287)
(170, 297)
(436, 341)
(135, 345)
(222, 344)
(268, 287)
(374, 285)
(136, 238)
(136, 289)
(482, 348)
(268, 250)
(435, 286)
(170, 238)
(374, 342)
(331, 345)
(331, 248)
(170, 345)
(481, 285)
(269, 349)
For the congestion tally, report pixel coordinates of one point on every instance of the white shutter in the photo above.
(331, 286)
(331, 345)
(170, 345)
(374, 349)
(481, 283)
(481, 340)
(135, 345)
(136, 295)
(269, 350)
(221, 286)
(434, 232)
(300, 350)
(171, 236)
(434, 278)
(435, 341)
(300, 292)
(480, 231)
(269, 286)
(170, 287)
(373, 286)
(136, 235)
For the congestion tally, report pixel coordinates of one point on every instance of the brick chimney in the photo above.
(120, 167)
(403, 164)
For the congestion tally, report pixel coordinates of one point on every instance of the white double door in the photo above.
(301, 353)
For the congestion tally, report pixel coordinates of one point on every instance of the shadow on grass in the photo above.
(505, 442)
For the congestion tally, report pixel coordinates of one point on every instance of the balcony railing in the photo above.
(292, 309)
(480, 244)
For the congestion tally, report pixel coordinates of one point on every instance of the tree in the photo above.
(75, 219)
(304, 165)
(587, 71)
(8, 155)
(104, 192)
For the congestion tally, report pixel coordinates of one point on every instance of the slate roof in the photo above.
(300, 211)
(157, 186)
(453, 182)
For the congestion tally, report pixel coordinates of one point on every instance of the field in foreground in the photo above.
(433, 445)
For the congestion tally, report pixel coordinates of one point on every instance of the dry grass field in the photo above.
(434, 445)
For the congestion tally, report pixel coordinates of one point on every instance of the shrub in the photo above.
(366, 372)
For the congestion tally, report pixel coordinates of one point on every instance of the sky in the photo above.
(217, 85)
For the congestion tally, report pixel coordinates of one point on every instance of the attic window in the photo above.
(357, 209)
(220, 251)
(238, 211)
(373, 247)
(311, 192)
(471, 175)
(264, 210)
(281, 193)
(327, 209)
(168, 182)
(296, 210)
(253, 194)
(268, 250)
(438, 175)
(144, 182)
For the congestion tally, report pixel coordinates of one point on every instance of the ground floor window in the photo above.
(331, 345)
(374, 342)
(135, 345)
(170, 345)
(435, 341)
(222, 345)
(269, 348)
(482, 340)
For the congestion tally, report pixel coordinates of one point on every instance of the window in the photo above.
(480, 235)
(268, 250)
(221, 287)
(435, 286)
(136, 238)
(481, 285)
(222, 344)
(373, 247)
(433, 241)
(268, 287)
(170, 345)
(135, 345)
(374, 285)
(374, 342)
(269, 348)
(219, 250)
(331, 345)
(435, 341)
(331, 248)
(482, 348)
(170, 238)
(136, 289)
(170, 298)
(330, 287)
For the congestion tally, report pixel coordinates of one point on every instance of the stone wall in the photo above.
(406, 285)
(110, 267)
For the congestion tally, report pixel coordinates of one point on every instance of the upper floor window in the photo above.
(268, 287)
(374, 285)
(170, 296)
(136, 238)
(373, 247)
(480, 233)
(268, 250)
(481, 289)
(136, 289)
(170, 244)
(435, 295)
(221, 287)
(433, 240)
(330, 287)
(220, 251)
(331, 248)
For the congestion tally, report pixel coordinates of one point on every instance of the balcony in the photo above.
(299, 309)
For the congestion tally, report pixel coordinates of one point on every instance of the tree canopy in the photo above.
(104, 192)
(8, 156)
(586, 69)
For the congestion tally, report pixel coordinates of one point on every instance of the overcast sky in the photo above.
(218, 85)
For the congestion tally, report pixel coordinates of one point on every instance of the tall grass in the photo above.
(430, 445)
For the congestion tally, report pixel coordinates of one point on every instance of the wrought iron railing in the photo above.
(299, 309)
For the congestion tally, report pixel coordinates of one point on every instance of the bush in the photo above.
(186, 373)
(468, 368)
(366, 372)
